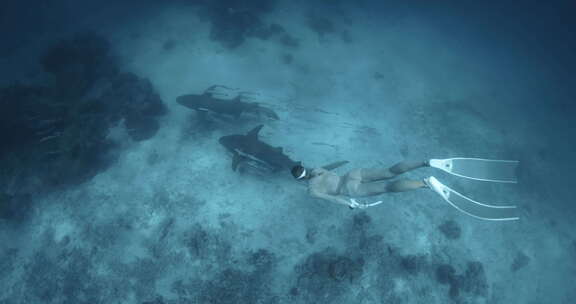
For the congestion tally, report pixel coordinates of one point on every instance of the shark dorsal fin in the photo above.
(254, 132)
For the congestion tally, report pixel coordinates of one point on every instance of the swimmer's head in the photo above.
(299, 172)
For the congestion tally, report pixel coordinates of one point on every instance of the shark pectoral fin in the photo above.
(236, 160)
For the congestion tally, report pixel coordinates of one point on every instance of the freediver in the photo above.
(327, 185)
(363, 182)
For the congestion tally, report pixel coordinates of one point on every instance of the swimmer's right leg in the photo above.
(405, 166)
(387, 173)
(406, 185)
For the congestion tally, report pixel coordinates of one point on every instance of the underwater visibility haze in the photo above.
(275, 151)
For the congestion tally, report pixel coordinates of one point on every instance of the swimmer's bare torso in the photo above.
(324, 181)
(328, 185)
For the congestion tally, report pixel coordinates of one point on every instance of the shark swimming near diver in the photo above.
(208, 102)
(250, 149)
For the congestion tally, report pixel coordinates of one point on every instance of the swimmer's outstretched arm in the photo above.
(335, 165)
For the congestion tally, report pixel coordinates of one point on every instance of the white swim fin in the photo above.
(471, 207)
(490, 170)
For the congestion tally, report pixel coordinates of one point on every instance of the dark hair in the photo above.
(297, 171)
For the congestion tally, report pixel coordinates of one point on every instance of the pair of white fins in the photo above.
(488, 170)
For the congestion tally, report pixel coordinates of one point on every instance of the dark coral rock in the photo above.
(520, 261)
(198, 241)
(320, 25)
(326, 273)
(262, 259)
(61, 129)
(450, 229)
(413, 264)
(445, 274)
(141, 128)
(294, 291)
(79, 149)
(135, 95)
(454, 291)
(126, 95)
(27, 114)
(65, 139)
(474, 279)
(233, 21)
(361, 220)
(344, 268)
(237, 287)
(231, 286)
(204, 244)
(136, 101)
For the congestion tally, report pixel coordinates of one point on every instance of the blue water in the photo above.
(112, 192)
